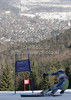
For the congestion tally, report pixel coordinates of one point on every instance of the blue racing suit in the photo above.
(62, 84)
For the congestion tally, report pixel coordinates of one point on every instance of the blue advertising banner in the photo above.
(23, 65)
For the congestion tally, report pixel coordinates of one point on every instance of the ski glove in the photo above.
(44, 75)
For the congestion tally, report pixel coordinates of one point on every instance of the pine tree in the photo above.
(46, 82)
(6, 80)
(35, 77)
(55, 80)
(68, 73)
(52, 64)
(52, 69)
(59, 65)
(70, 80)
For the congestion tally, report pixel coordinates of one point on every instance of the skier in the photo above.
(62, 84)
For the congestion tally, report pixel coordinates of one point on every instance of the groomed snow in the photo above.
(10, 95)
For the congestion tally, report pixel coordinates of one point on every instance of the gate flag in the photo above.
(26, 81)
(22, 66)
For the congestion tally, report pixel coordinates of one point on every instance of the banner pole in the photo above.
(24, 85)
(30, 74)
(15, 70)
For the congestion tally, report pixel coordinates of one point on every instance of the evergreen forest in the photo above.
(47, 56)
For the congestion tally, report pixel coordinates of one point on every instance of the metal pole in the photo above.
(15, 70)
(31, 75)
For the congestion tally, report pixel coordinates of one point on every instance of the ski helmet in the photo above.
(61, 70)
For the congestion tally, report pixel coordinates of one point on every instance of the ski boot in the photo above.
(62, 92)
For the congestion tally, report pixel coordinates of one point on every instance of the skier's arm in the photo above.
(50, 74)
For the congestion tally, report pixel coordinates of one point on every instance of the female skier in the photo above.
(62, 85)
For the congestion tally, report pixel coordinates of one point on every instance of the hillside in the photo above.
(6, 6)
(57, 48)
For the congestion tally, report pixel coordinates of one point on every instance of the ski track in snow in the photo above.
(4, 95)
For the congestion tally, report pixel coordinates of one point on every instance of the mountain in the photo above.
(5, 6)
(56, 48)
(54, 1)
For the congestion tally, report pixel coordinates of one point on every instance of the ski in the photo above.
(38, 95)
(34, 95)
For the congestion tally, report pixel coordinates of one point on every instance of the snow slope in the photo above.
(12, 96)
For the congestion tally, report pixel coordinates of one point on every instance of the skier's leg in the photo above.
(64, 86)
(47, 90)
(61, 85)
(54, 91)
(55, 87)
(52, 88)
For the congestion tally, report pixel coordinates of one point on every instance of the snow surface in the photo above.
(10, 95)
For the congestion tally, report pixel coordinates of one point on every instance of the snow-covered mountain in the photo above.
(47, 9)
(40, 0)
(44, 0)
